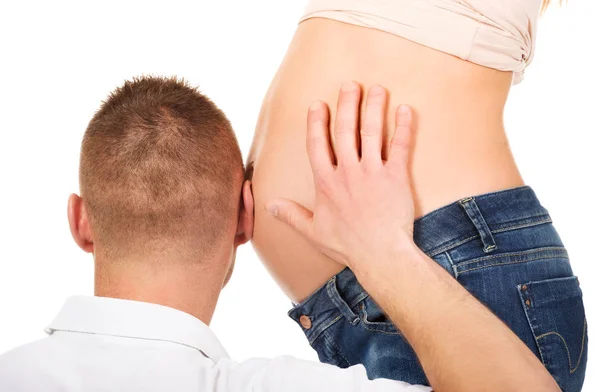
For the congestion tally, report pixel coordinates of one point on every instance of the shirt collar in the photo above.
(133, 319)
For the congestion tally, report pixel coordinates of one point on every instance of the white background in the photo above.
(59, 59)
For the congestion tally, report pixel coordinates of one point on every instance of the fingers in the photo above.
(346, 123)
(317, 139)
(372, 129)
(400, 144)
(294, 215)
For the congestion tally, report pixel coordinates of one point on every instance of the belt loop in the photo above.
(340, 303)
(470, 207)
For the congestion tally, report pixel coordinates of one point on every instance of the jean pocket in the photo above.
(374, 319)
(556, 316)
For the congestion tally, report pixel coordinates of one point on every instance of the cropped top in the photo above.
(492, 33)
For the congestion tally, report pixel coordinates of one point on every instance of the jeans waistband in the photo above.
(438, 231)
(340, 294)
(478, 216)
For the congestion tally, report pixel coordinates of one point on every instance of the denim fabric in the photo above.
(503, 248)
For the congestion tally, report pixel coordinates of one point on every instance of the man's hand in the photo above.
(364, 206)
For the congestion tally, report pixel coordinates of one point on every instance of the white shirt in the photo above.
(103, 344)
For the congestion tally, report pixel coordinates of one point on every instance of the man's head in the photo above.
(161, 176)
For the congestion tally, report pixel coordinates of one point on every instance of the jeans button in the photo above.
(305, 322)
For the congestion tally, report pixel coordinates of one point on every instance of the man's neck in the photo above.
(191, 288)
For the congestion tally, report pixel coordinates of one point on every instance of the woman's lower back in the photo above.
(460, 148)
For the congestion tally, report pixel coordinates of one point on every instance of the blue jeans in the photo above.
(503, 248)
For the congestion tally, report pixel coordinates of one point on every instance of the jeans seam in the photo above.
(384, 332)
(523, 225)
(530, 323)
(366, 323)
(507, 263)
(340, 303)
(364, 295)
(445, 248)
(571, 369)
(321, 329)
(452, 264)
(543, 252)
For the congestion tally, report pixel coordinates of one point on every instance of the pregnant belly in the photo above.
(460, 148)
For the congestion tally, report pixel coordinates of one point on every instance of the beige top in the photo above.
(493, 33)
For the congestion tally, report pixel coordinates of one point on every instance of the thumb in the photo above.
(292, 214)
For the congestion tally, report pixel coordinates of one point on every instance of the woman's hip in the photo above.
(503, 248)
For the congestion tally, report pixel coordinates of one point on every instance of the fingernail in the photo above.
(349, 87)
(376, 90)
(315, 106)
(272, 209)
(404, 109)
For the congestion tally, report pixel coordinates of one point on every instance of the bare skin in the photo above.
(167, 277)
(363, 218)
(460, 148)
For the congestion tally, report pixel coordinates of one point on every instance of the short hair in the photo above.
(159, 162)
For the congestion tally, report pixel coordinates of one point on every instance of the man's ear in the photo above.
(80, 224)
(246, 217)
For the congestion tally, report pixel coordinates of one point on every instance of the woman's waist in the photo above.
(452, 156)
(436, 181)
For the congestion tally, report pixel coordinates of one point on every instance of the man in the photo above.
(160, 209)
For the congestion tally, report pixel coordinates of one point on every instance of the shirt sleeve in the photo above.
(295, 375)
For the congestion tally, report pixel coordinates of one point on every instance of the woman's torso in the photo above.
(460, 148)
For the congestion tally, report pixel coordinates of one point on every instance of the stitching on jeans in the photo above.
(522, 225)
(445, 248)
(364, 295)
(436, 252)
(452, 264)
(529, 322)
(323, 328)
(571, 369)
(507, 263)
(339, 303)
(520, 253)
(366, 323)
(384, 332)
